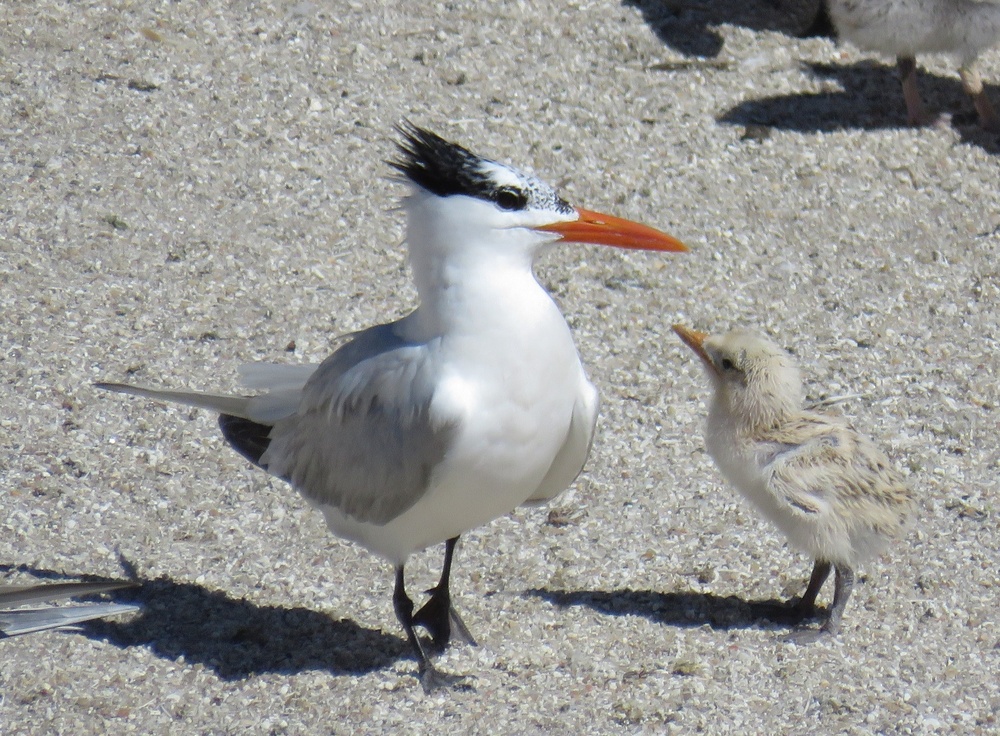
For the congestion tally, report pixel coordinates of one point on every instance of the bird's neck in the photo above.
(477, 293)
(748, 418)
(471, 274)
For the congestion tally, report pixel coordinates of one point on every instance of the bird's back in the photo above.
(830, 489)
(911, 27)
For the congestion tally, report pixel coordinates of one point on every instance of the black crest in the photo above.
(439, 166)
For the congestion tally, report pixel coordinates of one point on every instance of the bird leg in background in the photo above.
(431, 678)
(807, 604)
(844, 582)
(915, 114)
(437, 615)
(972, 83)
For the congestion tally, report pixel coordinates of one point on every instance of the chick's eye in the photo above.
(727, 364)
(510, 199)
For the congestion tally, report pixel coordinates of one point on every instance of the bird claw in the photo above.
(798, 612)
(432, 679)
(441, 621)
(460, 630)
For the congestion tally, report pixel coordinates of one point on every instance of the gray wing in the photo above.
(364, 439)
(12, 594)
(31, 620)
(26, 621)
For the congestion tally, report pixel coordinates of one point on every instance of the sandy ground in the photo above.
(188, 186)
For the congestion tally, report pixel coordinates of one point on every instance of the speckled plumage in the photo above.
(906, 28)
(830, 489)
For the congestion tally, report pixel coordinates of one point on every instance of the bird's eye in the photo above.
(727, 364)
(509, 198)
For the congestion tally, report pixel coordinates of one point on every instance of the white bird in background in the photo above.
(905, 28)
(473, 404)
(832, 491)
(14, 621)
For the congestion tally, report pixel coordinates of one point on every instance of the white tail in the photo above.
(236, 405)
(284, 384)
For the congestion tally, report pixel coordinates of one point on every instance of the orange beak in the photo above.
(696, 341)
(596, 227)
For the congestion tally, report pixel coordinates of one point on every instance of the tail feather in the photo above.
(245, 421)
(275, 376)
(234, 405)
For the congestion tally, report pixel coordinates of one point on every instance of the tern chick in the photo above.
(831, 490)
(904, 28)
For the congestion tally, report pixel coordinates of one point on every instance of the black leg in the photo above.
(844, 583)
(807, 604)
(438, 616)
(821, 26)
(430, 677)
(842, 591)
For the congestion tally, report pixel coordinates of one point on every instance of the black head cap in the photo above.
(444, 168)
(439, 166)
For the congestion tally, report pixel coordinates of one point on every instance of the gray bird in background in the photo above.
(963, 29)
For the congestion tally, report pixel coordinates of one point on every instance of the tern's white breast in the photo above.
(513, 376)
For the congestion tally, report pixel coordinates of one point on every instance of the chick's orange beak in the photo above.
(596, 227)
(696, 341)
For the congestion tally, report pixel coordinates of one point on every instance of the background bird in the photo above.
(473, 404)
(832, 491)
(14, 621)
(906, 28)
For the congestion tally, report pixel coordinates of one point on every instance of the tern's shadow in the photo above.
(687, 609)
(870, 98)
(689, 27)
(233, 637)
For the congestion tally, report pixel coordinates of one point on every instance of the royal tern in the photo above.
(905, 28)
(473, 404)
(831, 490)
(15, 621)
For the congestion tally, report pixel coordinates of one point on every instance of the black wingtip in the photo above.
(247, 437)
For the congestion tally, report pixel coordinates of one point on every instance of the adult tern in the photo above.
(830, 489)
(473, 404)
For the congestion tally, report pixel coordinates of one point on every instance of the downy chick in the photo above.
(831, 490)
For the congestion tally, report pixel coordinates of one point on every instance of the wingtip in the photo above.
(17, 594)
(29, 621)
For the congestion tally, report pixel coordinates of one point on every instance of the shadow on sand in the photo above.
(688, 610)
(871, 99)
(235, 638)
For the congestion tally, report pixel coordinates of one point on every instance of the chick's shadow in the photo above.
(236, 638)
(870, 98)
(681, 609)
